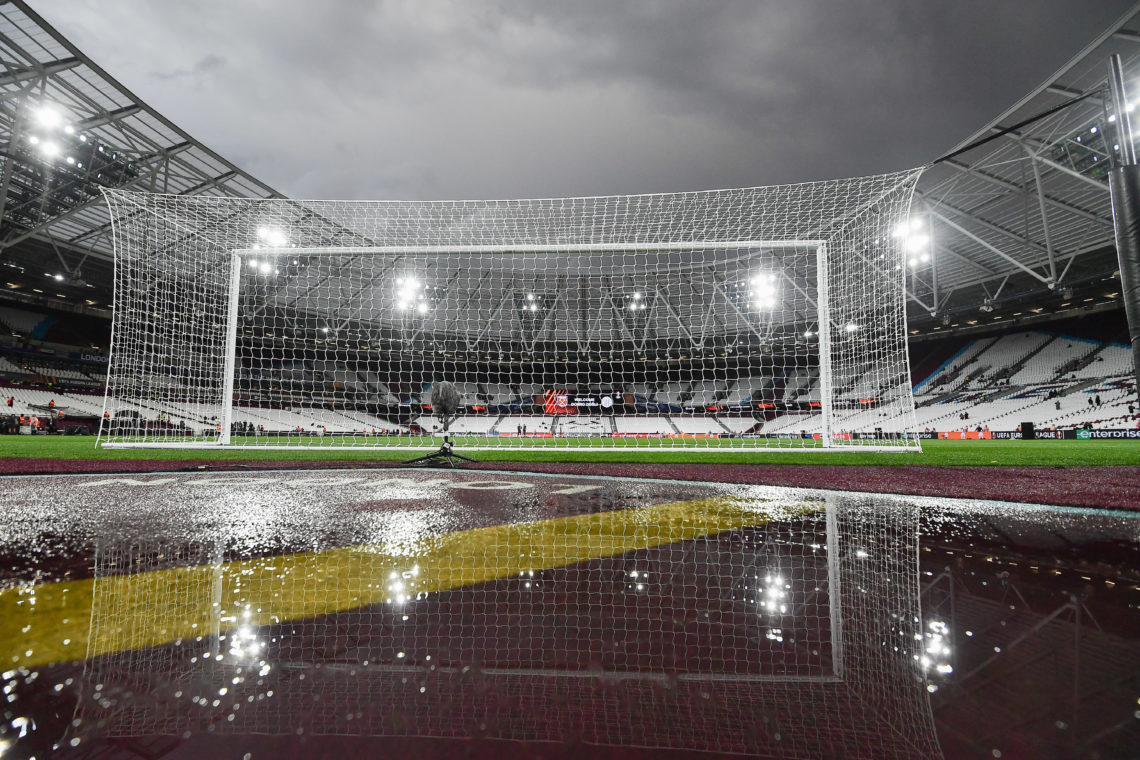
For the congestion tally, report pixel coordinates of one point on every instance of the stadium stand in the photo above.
(698, 425)
(643, 425)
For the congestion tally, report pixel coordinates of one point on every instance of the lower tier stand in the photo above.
(446, 453)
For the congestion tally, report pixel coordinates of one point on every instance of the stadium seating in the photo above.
(643, 425)
(738, 425)
(534, 425)
(698, 425)
(570, 426)
(1048, 362)
(1112, 360)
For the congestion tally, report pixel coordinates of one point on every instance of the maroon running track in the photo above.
(1116, 487)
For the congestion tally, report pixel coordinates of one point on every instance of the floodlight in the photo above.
(253, 263)
(764, 291)
(58, 277)
(637, 296)
(422, 307)
(266, 267)
(851, 327)
(48, 117)
(272, 236)
(34, 140)
(530, 296)
(917, 242)
(49, 149)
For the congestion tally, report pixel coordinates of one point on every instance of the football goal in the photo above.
(769, 317)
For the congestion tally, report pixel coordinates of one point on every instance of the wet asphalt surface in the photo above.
(774, 622)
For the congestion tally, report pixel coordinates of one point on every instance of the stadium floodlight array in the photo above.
(768, 317)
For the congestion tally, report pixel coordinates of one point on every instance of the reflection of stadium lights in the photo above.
(422, 307)
(637, 296)
(851, 327)
(774, 595)
(936, 651)
(530, 296)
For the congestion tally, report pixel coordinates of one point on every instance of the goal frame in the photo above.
(827, 440)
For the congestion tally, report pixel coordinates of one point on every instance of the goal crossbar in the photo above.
(379, 250)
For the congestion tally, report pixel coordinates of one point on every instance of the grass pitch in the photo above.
(934, 452)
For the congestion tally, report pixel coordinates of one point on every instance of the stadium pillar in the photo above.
(1124, 182)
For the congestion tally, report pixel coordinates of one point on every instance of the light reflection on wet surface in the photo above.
(559, 612)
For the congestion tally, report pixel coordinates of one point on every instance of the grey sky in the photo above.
(471, 99)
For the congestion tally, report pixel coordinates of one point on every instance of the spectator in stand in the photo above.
(1090, 401)
(1131, 408)
(1058, 405)
(11, 399)
(1098, 399)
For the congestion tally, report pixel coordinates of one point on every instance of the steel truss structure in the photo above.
(1020, 218)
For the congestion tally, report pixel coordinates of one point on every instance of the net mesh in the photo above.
(758, 317)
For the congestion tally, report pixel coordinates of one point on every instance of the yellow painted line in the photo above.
(70, 620)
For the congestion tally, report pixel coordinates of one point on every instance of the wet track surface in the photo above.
(1116, 487)
(439, 614)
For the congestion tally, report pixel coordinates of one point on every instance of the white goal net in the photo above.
(768, 317)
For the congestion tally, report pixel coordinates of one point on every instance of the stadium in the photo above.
(833, 468)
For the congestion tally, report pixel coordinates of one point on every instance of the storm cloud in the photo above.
(462, 99)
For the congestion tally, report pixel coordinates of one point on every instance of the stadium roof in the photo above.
(1022, 223)
(1029, 213)
(96, 133)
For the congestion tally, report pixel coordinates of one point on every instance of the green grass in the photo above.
(944, 453)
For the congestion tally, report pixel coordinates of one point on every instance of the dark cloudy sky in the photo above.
(418, 99)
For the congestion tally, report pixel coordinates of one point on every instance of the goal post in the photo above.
(761, 318)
